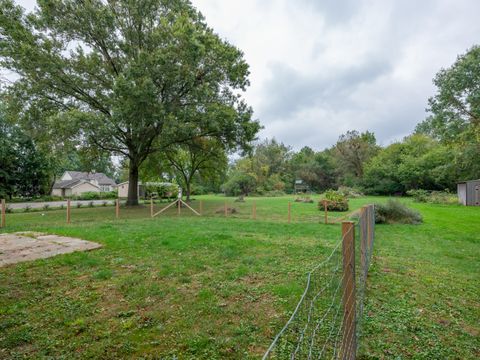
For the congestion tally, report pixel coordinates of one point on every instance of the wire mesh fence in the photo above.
(327, 321)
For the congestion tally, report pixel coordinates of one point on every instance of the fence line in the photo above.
(327, 321)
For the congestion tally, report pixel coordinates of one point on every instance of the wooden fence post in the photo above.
(4, 216)
(225, 210)
(363, 221)
(325, 206)
(117, 208)
(68, 211)
(179, 206)
(289, 212)
(151, 207)
(370, 226)
(349, 345)
(254, 210)
(201, 207)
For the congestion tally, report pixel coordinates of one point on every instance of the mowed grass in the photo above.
(220, 288)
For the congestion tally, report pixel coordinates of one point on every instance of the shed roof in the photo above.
(468, 181)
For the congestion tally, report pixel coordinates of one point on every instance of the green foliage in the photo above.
(336, 201)
(395, 212)
(317, 170)
(418, 162)
(350, 192)
(455, 113)
(352, 151)
(161, 190)
(92, 195)
(239, 184)
(433, 197)
(23, 167)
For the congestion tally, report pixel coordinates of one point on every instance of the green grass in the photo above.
(215, 288)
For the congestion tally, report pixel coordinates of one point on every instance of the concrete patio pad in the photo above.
(27, 246)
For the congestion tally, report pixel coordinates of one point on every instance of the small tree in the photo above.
(201, 155)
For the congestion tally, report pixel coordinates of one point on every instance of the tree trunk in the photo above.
(132, 199)
(187, 199)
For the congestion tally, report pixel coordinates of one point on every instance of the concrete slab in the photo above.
(27, 246)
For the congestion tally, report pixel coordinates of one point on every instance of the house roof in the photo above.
(65, 184)
(100, 177)
(70, 184)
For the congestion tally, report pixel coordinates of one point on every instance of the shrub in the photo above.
(89, 195)
(433, 197)
(336, 201)
(350, 192)
(419, 195)
(395, 212)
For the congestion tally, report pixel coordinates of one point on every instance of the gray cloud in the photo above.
(290, 91)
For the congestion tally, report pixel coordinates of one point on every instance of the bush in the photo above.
(433, 197)
(92, 195)
(394, 212)
(350, 192)
(336, 201)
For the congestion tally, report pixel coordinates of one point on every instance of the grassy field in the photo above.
(214, 288)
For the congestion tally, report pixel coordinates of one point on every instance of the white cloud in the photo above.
(319, 68)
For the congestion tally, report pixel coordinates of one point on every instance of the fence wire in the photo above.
(317, 327)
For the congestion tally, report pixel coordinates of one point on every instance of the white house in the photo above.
(77, 182)
(123, 188)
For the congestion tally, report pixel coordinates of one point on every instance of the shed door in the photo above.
(476, 195)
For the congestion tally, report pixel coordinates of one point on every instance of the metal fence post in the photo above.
(349, 346)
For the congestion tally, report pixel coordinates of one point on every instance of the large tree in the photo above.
(126, 73)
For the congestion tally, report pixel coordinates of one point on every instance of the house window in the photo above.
(105, 188)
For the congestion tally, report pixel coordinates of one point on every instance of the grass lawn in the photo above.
(214, 288)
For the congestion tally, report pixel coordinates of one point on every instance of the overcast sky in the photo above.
(322, 67)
